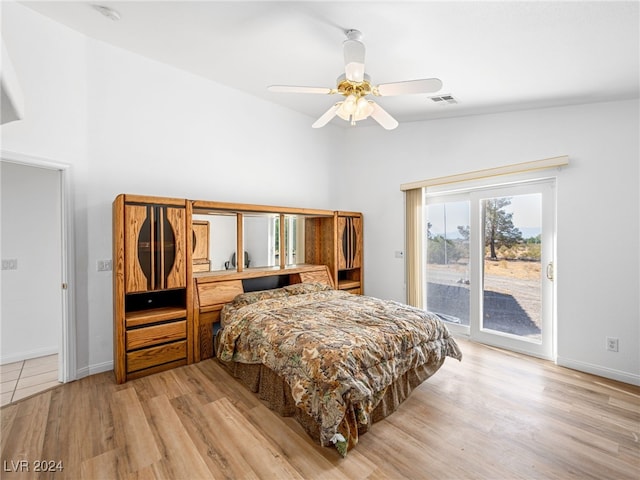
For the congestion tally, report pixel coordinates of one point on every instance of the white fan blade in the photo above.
(426, 85)
(294, 89)
(382, 117)
(327, 116)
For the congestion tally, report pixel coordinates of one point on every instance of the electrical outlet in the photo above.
(612, 344)
(104, 265)
(10, 264)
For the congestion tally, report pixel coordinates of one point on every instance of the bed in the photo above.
(337, 362)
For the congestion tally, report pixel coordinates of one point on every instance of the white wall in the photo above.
(598, 210)
(127, 124)
(31, 294)
(160, 131)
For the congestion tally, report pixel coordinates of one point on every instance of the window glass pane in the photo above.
(447, 260)
(512, 266)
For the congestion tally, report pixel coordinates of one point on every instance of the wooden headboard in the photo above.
(215, 289)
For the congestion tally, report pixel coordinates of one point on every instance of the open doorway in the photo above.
(34, 295)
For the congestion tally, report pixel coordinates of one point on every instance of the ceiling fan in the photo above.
(355, 85)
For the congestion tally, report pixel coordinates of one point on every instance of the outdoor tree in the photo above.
(441, 250)
(498, 225)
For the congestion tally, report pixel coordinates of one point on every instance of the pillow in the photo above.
(253, 297)
(302, 288)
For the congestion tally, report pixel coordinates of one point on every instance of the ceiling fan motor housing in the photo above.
(348, 87)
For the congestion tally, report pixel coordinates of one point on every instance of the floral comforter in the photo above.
(334, 349)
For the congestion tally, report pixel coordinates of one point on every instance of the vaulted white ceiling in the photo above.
(490, 56)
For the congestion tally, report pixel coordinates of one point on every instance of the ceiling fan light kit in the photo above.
(355, 85)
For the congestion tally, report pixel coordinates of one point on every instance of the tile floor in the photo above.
(25, 378)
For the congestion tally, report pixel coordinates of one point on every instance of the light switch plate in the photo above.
(104, 265)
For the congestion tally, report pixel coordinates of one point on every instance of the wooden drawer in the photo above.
(156, 334)
(218, 292)
(150, 357)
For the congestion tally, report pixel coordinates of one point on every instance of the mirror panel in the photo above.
(261, 236)
(222, 230)
(294, 239)
(262, 239)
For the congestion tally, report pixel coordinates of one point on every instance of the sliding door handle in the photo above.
(550, 272)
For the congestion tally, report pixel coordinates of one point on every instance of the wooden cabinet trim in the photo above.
(178, 202)
(156, 369)
(119, 350)
(209, 207)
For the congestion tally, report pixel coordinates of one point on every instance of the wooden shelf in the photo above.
(204, 277)
(348, 284)
(154, 315)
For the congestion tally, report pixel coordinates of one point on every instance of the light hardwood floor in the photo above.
(495, 415)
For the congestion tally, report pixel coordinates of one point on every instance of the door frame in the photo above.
(474, 187)
(67, 368)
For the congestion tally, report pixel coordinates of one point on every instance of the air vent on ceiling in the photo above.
(444, 99)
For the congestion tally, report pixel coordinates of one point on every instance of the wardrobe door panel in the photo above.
(349, 242)
(138, 248)
(155, 248)
(174, 255)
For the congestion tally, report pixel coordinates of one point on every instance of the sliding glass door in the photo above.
(490, 264)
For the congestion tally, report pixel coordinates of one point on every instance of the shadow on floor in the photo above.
(502, 312)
